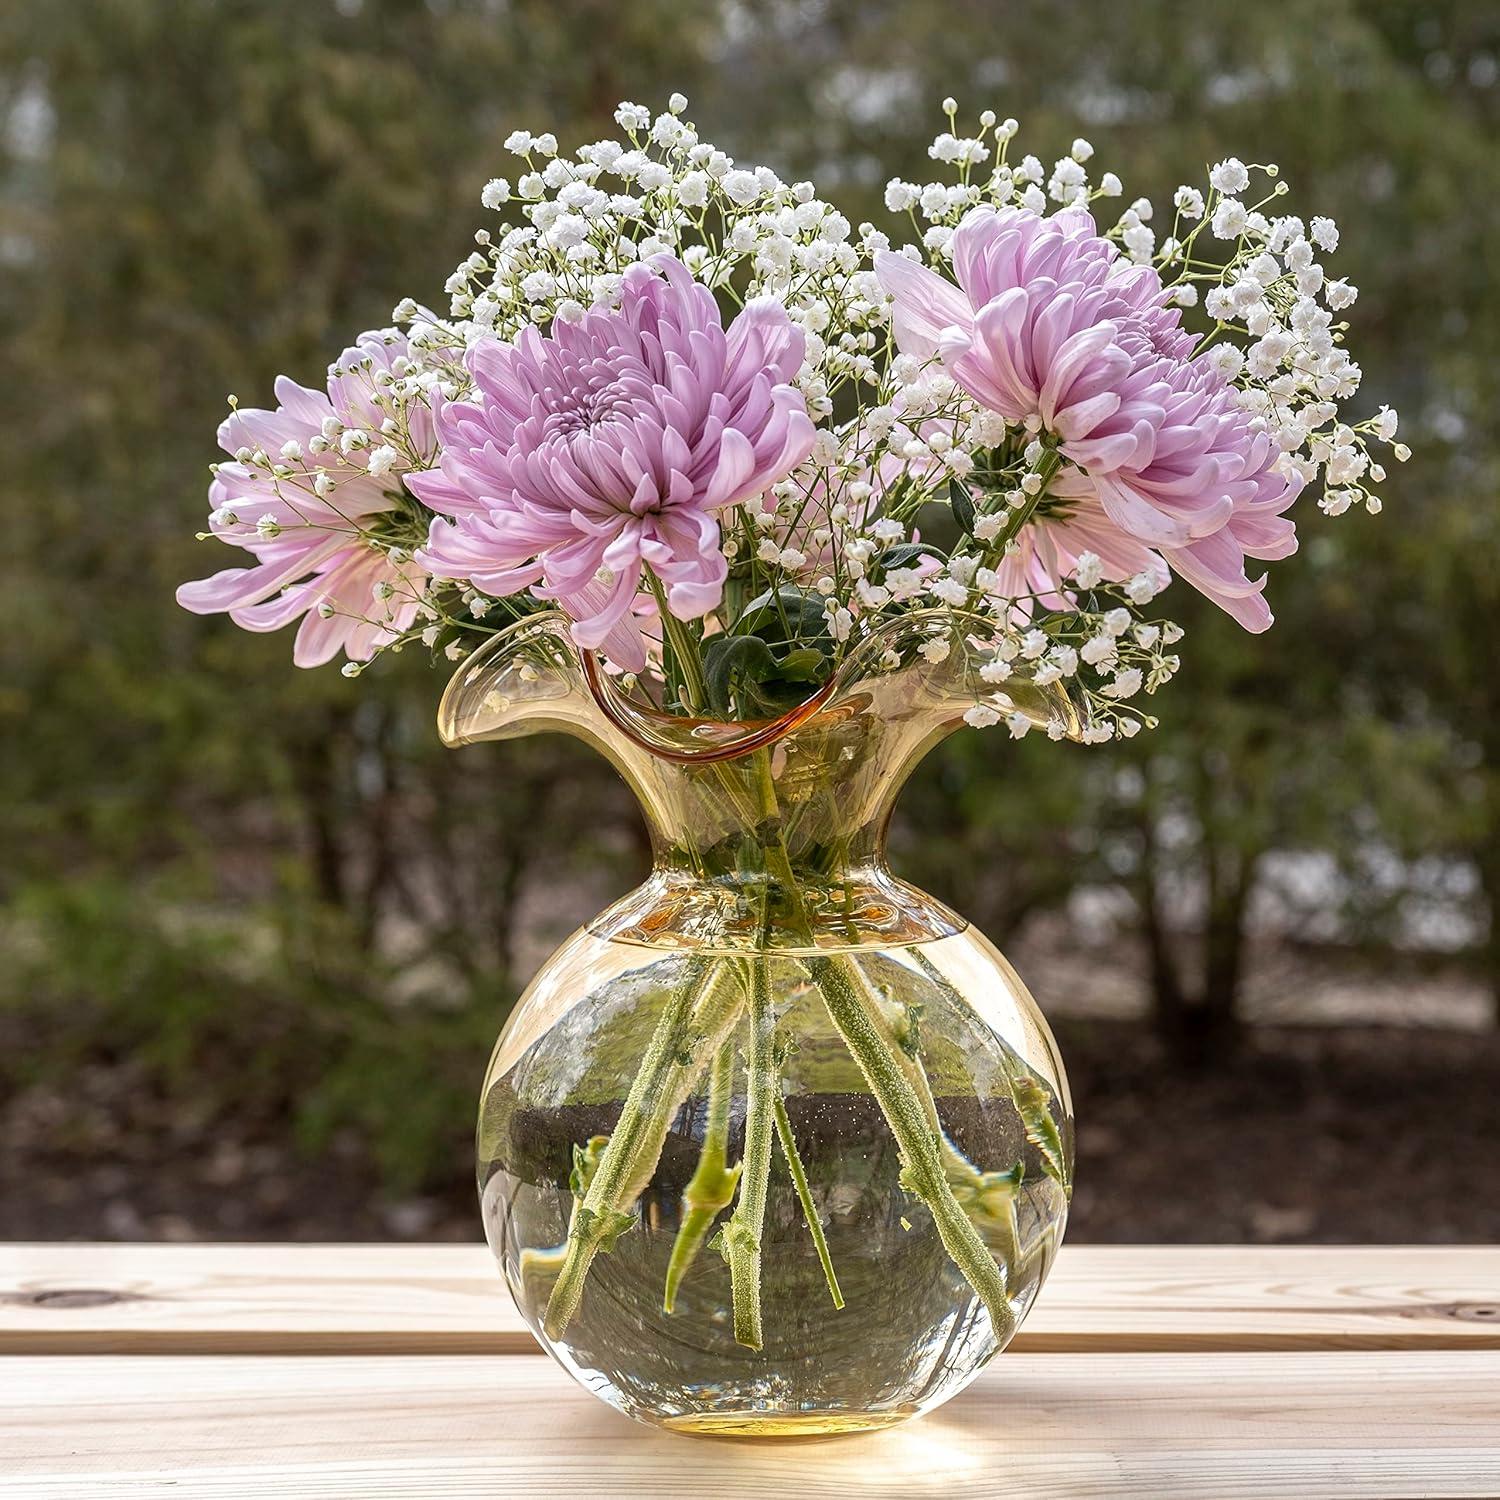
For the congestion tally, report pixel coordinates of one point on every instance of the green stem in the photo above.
(854, 1011)
(710, 1190)
(988, 1198)
(778, 861)
(684, 650)
(961, 1172)
(907, 1058)
(804, 1196)
(696, 1012)
(1027, 1093)
(898, 1082)
(714, 1017)
(742, 1234)
(585, 1162)
(994, 550)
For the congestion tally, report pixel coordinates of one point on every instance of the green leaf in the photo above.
(784, 616)
(602, 1227)
(731, 662)
(803, 665)
(904, 555)
(1041, 1129)
(778, 647)
(963, 504)
(585, 1164)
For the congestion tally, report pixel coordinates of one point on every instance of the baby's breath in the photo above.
(895, 436)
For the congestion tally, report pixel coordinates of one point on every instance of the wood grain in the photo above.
(1362, 1426)
(448, 1299)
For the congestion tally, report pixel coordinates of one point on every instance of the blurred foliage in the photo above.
(230, 868)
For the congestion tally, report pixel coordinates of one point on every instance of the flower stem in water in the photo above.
(1026, 1092)
(898, 1082)
(711, 1187)
(694, 1014)
(773, 851)
(855, 1012)
(804, 1196)
(741, 1236)
(585, 1162)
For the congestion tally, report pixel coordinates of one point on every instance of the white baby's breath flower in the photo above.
(586, 219)
(1230, 176)
(741, 187)
(1229, 220)
(1089, 570)
(1188, 201)
(1324, 233)
(1098, 649)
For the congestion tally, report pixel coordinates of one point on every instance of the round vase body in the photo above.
(777, 1144)
(912, 1332)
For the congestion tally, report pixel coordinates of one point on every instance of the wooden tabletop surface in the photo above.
(291, 1371)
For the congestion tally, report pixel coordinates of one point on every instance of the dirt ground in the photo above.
(1334, 1134)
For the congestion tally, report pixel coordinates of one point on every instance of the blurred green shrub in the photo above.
(269, 1015)
(276, 884)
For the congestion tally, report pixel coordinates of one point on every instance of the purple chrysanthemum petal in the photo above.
(309, 550)
(609, 445)
(1048, 324)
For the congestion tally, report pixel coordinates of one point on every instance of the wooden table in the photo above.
(379, 1371)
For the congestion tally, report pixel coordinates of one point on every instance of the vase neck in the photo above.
(763, 835)
(784, 846)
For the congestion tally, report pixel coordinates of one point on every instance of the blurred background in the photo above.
(258, 930)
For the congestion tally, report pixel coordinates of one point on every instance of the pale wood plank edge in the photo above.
(230, 1341)
(234, 1341)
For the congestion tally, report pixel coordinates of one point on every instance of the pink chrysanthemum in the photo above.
(1207, 439)
(609, 446)
(312, 559)
(1049, 325)
(1035, 572)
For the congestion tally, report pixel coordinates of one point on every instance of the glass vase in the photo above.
(777, 1144)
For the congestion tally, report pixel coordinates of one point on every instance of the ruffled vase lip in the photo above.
(703, 741)
(690, 740)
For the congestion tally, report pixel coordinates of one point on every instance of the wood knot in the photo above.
(1463, 1312)
(1474, 1312)
(68, 1297)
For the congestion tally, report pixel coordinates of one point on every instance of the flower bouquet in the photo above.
(763, 505)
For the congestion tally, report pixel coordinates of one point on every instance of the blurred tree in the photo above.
(195, 196)
(1338, 734)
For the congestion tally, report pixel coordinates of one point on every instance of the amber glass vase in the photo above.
(777, 1144)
